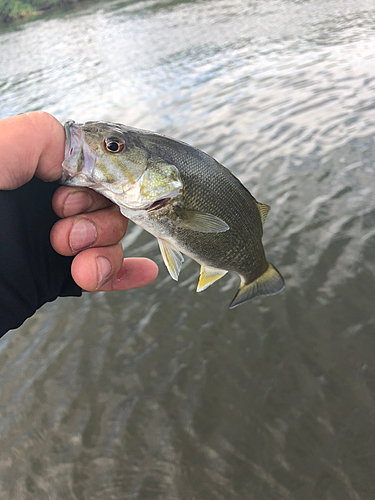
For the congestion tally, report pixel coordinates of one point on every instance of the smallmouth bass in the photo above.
(191, 203)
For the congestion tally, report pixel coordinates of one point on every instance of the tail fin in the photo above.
(269, 283)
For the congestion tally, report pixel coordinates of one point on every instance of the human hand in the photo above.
(91, 227)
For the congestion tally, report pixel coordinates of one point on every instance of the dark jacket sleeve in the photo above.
(31, 272)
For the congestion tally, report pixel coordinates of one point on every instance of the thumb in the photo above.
(30, 144)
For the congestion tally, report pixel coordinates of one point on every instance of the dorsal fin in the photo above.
(263, 210)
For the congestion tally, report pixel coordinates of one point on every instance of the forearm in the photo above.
(31, 272)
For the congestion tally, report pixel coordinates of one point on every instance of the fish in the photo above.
(191, 203)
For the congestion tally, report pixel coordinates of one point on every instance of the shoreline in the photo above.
(27, 9)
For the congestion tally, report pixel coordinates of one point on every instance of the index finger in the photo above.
(68, 201)
(30, 144)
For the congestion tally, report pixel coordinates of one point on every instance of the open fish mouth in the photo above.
(73, 144)
(79, 159)
(68, 137)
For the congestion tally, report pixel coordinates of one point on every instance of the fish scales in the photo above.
(212, 188)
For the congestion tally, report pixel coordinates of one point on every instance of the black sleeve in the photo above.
(31, 272)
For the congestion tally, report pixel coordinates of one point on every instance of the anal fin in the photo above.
(208, 276)
(269, 283)
(173, 259)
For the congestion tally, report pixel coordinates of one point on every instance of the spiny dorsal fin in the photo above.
(208, 276)
(269, 283)
(263, 210)
(173, 259)
(200, 221)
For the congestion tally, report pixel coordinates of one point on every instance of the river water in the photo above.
(162, 393)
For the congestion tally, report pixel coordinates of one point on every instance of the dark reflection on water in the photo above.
(161, 393)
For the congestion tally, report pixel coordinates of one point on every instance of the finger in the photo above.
(134, 273)
(68, 201)
(97, 229)
(105, 269)
(42, 140)
(96, 266)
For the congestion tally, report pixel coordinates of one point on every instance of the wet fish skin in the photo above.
(190, 202)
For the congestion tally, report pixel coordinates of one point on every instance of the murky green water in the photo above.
(162, 393)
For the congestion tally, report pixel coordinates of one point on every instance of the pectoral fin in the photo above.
(208, 276)
(173, 259)
(269, 283)
(200, 221)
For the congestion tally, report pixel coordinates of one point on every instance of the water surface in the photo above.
(162, 393)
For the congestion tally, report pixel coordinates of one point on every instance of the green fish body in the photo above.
(191, 203)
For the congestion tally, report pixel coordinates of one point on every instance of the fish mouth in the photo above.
(68, 137)
(79, 159)
(72, 143)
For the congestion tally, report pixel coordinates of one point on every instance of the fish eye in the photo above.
(114, 144)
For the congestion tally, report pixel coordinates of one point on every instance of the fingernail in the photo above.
(82, 235)
(77, 203)
(104, 270)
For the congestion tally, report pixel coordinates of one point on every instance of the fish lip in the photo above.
(68, 139)
(73, 144)
(68, 136)
(79, 159)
